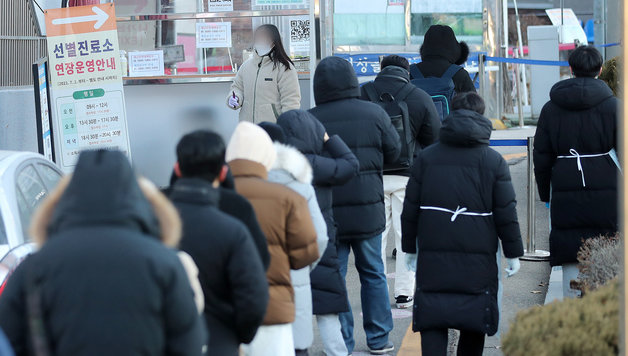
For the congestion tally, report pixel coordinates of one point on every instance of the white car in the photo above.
(25, 179)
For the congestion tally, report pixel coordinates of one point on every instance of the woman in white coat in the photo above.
(267, 84)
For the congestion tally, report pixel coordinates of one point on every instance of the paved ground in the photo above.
(524, 290)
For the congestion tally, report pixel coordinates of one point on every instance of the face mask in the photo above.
(262, 49)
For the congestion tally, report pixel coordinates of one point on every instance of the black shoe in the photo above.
(301, 353)
(394, 253)
(404, 302)
(383, 350)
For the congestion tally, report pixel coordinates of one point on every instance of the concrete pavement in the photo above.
(521, 291)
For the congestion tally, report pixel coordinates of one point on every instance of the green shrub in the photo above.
(599, 261)
(574, 327)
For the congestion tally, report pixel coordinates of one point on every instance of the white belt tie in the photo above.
(455, 213)
(578, 157)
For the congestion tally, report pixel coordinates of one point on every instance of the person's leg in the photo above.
(271, 340)
(388, 185)
(374, 291)
(346, 318)
(404, 278)
(434, 342)
(570, 272)
(471, 343)
(331, 334)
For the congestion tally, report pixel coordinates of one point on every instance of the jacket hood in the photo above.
(335, 79)
(466, 128)
(293, 162)
(394, 72)
(579, 93)
(303, 131)
(440, 41)
(103, 190)
(250, 142)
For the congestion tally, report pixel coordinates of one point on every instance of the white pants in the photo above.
(271, 340)
(394, 193)
(570, 271)
(331, 334)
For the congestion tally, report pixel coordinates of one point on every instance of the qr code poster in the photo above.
(300, 37)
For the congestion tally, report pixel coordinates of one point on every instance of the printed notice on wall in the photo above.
(279, 2)
(87, 100)
(220, 5)
(299, 36)
(213, 34)
(146, 63)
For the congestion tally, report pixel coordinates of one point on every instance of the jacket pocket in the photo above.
(265, 112)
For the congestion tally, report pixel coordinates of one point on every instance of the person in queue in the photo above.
(285, 219)
(439, 51)
(575, 163)
(333, 164)
(359, 204)
(293, 170)
(105, 280)
(267, 84)
(460, 203)
(231, 272)
(424, 125)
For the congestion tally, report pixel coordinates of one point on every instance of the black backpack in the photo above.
(397, 109)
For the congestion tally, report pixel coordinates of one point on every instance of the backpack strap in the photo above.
(451, 71)
(415, 72)
(371, 92)
(403, 93)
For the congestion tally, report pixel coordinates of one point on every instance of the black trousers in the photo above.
(434, 343)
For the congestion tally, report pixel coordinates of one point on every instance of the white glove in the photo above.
(234, 101)
(411, 260)
(513, 266)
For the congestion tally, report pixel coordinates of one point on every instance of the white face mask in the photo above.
(262, 49)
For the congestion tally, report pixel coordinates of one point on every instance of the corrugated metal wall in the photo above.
(20, 44)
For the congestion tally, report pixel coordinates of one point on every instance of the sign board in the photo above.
(300, 36)
(87, 99)
(396, 2)
(213, 35)
(146, 63)
(42, 109)
(570, 29)
(220, 5)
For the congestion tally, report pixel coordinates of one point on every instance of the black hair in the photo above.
(586, 61)
(278, 53)
(395, 60)
(201, 154)
(469, 101)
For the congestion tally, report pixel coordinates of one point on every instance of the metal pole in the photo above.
(531, 253)
(519, 105)
(520, 46)
(481, 74)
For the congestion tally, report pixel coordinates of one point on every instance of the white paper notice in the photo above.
(220, 5)
(213, 34)
(145, 64)
(300, 36)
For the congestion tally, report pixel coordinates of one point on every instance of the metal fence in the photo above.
(20, 45)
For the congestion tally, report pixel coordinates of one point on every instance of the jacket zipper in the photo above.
(259, 66)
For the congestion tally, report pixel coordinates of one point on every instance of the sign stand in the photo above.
(45, 139)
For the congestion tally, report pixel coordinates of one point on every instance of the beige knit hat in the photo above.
(252, 143)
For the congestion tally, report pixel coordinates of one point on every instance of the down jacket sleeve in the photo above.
(289, 90)
(338, 168)
(505, 211)
(300, 235)
(184, 330)
(248, 284)
(237, 88)
(411, 211)
(13, 310)
(544, 157)
(319, 225)
(391, 143)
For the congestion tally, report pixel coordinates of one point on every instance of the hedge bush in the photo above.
(583, 326)
(599, 261)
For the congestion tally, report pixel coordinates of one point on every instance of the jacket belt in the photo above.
(455, 213)
(574, 154)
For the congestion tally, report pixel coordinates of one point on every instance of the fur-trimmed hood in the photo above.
(103, 190)
(293, 162)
